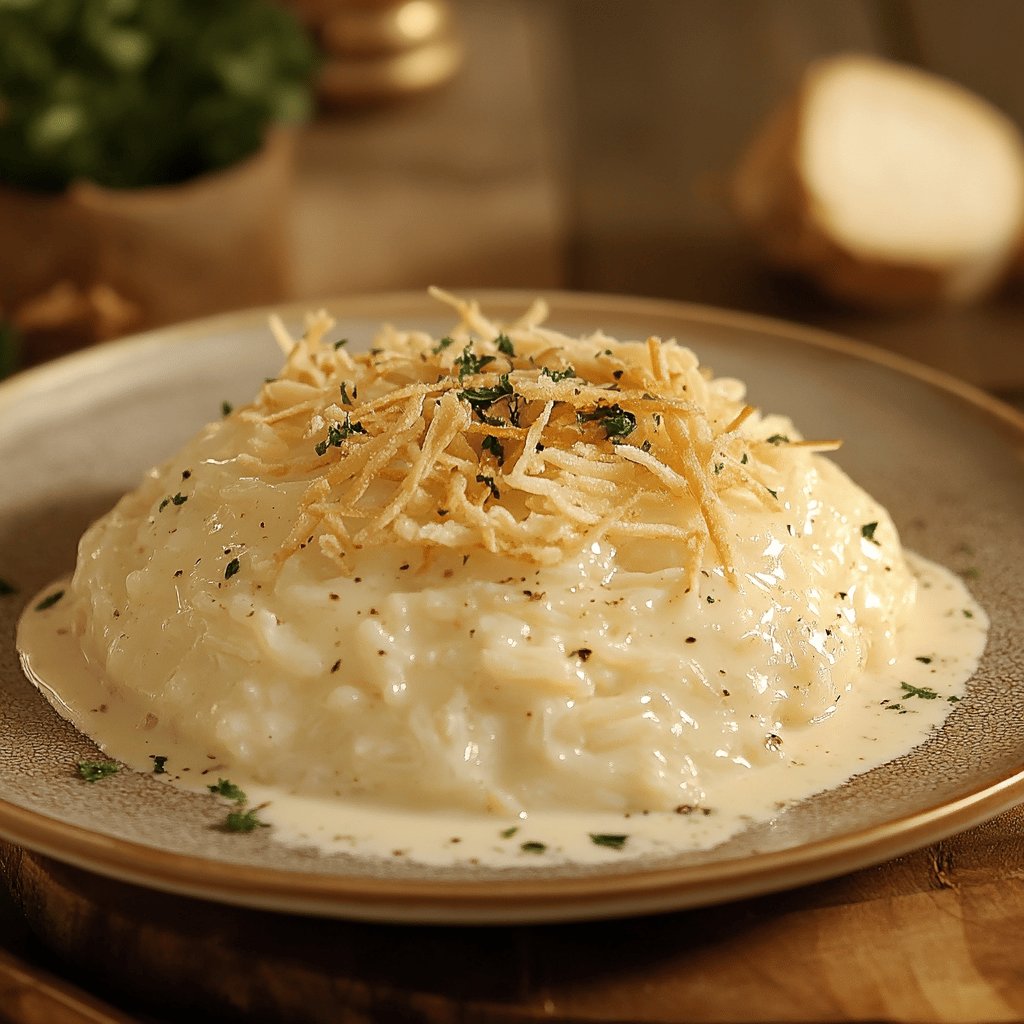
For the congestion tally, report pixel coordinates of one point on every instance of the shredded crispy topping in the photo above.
(514, 438)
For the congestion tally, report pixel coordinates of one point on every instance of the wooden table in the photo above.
(585, 145)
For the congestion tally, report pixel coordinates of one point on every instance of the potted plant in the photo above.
(143, 170)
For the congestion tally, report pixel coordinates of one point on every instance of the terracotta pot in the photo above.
(92, 262)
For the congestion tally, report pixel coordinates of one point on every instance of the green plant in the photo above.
(134, 93)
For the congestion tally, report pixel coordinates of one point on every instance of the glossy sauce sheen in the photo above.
(887, 713)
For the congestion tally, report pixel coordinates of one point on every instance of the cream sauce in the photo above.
(890, 709)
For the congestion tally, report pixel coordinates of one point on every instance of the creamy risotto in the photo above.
(499, 573)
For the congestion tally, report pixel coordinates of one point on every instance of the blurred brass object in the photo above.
(381, 49)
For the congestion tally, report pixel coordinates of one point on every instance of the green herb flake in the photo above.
(442, 345)
(344, 394)
(231, 568)
(558, 375)
(159, 763)
(618, 423)
(243, 821)
(494, 446)
(778, 439)
(470, 363)
(481, 478)
(179, 499)
(533, 847)
(744, 459)
(968, 614)
(337, 434)
(49, 601)
(340, 343)
(505, 346)
(164, 504)
(612, 841)
(867, 531)
(7, 588)
(774, 494)
(483, 398)
(923, 692)
(508, 833)
(952, 700)
(228, 790)
(924, 659)
(93, 771)
(226, 408)
(719, 466)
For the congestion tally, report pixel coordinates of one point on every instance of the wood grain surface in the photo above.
(585, 145)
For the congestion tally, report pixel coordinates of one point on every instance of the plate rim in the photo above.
(519, 899)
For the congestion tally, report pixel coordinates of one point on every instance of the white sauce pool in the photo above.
(886, 713)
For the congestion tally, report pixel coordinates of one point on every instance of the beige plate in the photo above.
(945, 459)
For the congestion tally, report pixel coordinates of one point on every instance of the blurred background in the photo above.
(168, 159)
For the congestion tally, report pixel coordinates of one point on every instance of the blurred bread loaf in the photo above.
(889, 186)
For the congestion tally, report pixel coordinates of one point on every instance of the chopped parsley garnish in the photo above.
(178, 499)
(337, 433)
(93, 771)
(924, 659)
(470, 363)
(614, 842)
(231, 568)
(484, 398)
(968, 614)
(719, 466)
(226, 408)
(774, 494)
(778, 439)
(489, 481)
(494, 446)
(243, 821)
(49, 601)
(504, 343)
(558, 375)
(744, 459)
(618, 423)
(924, 692)
(508, 833)
(229, 791)
(443, 344)
(340, 343)
(533, 847)
(7, 588)
(867, 531)
(159, 762)
(344, 394)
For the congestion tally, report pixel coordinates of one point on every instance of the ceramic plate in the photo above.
(945, 460)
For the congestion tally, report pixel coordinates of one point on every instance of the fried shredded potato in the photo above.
(515, 439)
